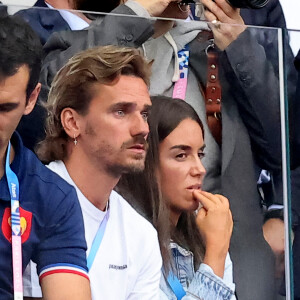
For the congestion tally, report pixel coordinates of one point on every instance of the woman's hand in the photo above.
(220, 11)
(214, 221)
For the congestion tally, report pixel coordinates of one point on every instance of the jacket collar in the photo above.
(50, 17)
(182, 251)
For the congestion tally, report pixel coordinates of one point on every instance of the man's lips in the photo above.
(138, 148)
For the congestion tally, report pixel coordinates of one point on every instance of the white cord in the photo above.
(170, 39)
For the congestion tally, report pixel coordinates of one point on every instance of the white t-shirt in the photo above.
(128, 262)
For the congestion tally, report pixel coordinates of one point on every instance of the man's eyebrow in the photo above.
(122, 105)
(147, 107)
(128, 105)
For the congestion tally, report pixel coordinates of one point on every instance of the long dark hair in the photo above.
(143, 192)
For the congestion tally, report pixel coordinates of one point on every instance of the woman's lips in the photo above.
(194, 187)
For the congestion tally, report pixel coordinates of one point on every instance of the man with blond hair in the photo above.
(96, 131)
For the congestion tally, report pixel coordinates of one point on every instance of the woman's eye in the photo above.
(201, 155)
(181, 156)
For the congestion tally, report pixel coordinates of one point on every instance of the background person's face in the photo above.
(115, 129)
(176, 11)
(97, 6)
(180, 169)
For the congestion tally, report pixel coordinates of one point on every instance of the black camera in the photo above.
(239, 3)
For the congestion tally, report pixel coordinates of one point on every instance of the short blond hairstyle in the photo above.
(74, 87)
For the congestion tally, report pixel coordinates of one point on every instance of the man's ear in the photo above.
(70, 121)
(32, 99)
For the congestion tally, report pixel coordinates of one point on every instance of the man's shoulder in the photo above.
(41, 176)
(43, 20)
(136, 232)
(38, 8)
(48, 197)
(131, 218)
(271, 15)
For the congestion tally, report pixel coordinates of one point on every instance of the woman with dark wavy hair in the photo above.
(194, 227)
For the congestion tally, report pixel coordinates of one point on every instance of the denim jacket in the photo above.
(202, 284)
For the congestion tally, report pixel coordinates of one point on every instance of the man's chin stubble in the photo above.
(118, 170)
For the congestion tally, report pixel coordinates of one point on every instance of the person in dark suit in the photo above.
(272, 16)
(43, 20)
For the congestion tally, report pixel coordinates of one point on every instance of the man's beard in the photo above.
(117, 168)
(136, 166)
(97, 6)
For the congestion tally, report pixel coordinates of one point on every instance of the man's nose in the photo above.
(139, 126)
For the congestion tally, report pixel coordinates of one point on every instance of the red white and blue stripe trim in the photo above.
(63, 268)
